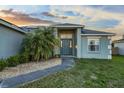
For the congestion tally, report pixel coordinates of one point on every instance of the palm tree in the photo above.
(40, 44)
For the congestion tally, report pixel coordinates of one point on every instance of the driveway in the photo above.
(25, 78)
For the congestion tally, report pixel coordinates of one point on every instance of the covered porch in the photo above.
(70, 39)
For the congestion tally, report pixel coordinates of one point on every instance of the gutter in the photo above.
(98, 34)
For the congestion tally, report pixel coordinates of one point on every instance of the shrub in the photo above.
(23, 58)
(40, 44)
(13, 61)
(3, 64)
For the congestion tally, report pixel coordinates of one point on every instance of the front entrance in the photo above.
(66, 47)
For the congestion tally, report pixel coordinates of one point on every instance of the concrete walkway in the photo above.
(21, 79)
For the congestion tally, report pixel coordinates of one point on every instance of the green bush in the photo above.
(13, 61)
(3, 64)
(23, 58)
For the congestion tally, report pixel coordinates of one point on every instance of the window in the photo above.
(93, 45)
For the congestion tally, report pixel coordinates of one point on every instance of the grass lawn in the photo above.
(86, 73)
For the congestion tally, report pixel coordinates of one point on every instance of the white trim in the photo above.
(109, 47)
(109, 37)
(88, 45)
(109, 56)
(98, 34)
(110, 51)
(110, 42)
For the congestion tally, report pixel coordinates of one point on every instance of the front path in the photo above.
(26, 68)
(21, 79)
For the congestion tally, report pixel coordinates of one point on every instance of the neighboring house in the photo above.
(10, 39)
(82, 43)
(30, 28)
(120, 45)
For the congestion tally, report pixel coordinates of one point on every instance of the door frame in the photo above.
(71, 48)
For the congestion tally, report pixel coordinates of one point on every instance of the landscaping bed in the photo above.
(28, 67)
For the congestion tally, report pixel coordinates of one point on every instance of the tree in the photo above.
(40, 43)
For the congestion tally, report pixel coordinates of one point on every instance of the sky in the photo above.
(108, 18)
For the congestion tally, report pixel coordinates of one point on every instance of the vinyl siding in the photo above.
(104, 53)
(10, 41)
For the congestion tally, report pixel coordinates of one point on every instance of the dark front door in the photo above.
(66, 47)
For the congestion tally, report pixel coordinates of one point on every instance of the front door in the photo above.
(66, 47)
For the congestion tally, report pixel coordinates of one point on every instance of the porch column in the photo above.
(56, 49)
(78, 42)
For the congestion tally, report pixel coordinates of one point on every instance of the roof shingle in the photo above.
(94, 32)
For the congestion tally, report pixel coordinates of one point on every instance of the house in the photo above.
(120, 45)
(10, 39)
(76, 41)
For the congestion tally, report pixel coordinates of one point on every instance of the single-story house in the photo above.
(120, 45)
(10, 39)
(76, 41)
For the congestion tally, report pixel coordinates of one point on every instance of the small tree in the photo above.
(40, 43)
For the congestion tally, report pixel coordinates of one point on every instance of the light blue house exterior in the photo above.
(82, 43)
(104, 48)
(75, 41)
(10, 39)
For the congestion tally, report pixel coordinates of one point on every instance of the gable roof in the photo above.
(12, 26)
(67, 25)
(94, 32)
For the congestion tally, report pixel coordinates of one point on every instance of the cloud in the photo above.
(86, 11)
(71, 13)
(119, 29)
(94, 18)
(110, 8)
(21, 18)
(109, 23)
(48, 14)
(104, 18)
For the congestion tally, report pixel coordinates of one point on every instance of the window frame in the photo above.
(88, 44)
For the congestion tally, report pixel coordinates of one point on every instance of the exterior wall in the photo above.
(120, 47)
(56, 49)
(79, 43)
(105, 48)
(81, 47)
(10, 42)
(75, 44)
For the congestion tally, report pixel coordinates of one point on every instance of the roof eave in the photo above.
(3, 22)
(98, 34)
(67, 26)
(20, 31)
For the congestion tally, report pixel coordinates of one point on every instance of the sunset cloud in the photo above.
(103, 18)
(20, 18)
